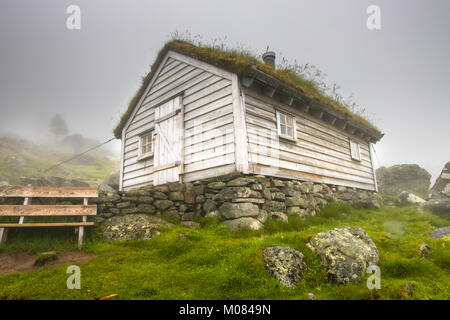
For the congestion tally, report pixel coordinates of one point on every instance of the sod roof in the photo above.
(244, 64)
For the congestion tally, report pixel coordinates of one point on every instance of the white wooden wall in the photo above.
(320, 154)
(209, 135)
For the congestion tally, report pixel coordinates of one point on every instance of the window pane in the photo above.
(289, 121)
(290, 132)
(282, 118)
(283, 129)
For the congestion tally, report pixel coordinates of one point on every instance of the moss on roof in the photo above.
(240, 63)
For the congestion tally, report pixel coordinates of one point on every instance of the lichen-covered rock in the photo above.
(237, 210)
(240, 182)
(146, 208)
(217, 185)
(345, 253)
(284, 264)
(163, 204)
(132, 227)
(296, 202)
(280, 216)
(440, 233)
(244, 223)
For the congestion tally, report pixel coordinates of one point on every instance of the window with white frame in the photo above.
(355, 151)
(286, 126)
(146, 144)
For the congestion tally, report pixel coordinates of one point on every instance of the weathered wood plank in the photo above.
(47, 210)
(49, 192)
(45, 225)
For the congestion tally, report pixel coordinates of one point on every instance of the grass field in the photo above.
(212, 263)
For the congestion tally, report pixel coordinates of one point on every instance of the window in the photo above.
(286, 126)
(146, 145)
(354, 151)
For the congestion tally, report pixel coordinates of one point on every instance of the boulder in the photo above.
(440, 233)
(284, 264)
(441, 188)
(408, 177)
(439, 206)
(244, 223)
(406, 197)
(132, 227)
(237, 210)
(345, 253)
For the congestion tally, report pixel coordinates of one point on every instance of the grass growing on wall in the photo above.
(212, 263)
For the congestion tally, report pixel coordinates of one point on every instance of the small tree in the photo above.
(58, 126)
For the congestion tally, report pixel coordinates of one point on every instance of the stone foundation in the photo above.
(240, 201)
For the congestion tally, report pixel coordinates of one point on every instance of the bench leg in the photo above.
(3, 235)
(80, 237)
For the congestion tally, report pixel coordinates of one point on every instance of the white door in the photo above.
(168, 155)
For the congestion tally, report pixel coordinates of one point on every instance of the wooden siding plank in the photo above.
(299, 151)
(292, 174)
(210, 106)
(295, 157)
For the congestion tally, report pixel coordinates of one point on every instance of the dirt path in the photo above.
(24, 262)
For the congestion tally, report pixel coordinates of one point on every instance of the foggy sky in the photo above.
(399, 73)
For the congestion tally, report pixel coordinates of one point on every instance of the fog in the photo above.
(399, 74)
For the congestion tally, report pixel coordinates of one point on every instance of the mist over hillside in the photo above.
(22, 158)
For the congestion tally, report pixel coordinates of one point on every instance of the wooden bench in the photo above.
(28, 210)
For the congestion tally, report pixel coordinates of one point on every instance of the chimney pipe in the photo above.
(269, 58)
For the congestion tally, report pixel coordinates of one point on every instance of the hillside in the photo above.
(212, 263)
(21, 158)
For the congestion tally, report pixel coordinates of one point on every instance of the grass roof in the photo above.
(241, 63)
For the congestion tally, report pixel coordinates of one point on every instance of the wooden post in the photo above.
(3, 234)
(81, 229)
(26, 202)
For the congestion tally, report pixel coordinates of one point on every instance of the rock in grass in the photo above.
(45, 257)
(440, 233)
(311, 296)
(425, 250)
(345, 253)
(132, 227)
(245, 223)
(284, 264)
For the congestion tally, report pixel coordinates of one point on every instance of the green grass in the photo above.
(212, 263)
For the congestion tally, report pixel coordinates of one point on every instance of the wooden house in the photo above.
(202, 113)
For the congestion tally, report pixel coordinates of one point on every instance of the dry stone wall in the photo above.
(240, 201)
